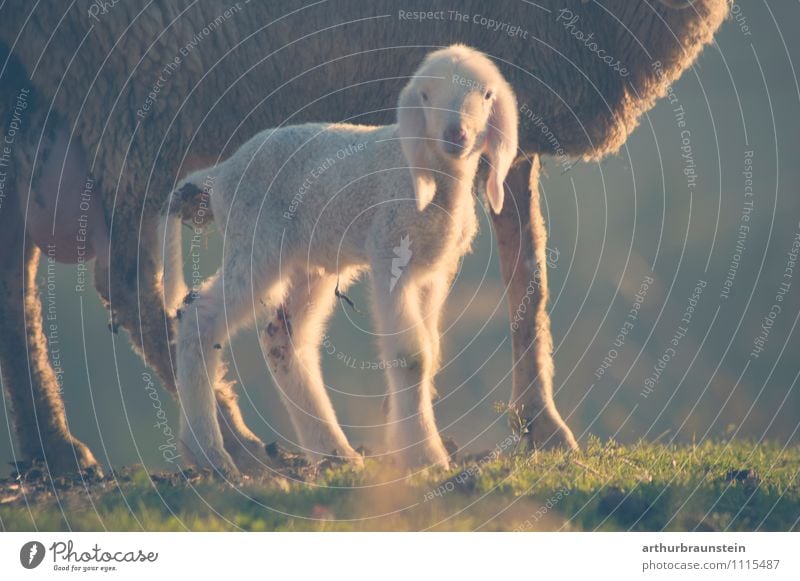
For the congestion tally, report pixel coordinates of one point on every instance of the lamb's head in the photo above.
(457, 105)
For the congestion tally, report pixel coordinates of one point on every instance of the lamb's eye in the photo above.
(488, 95)
(424, 96)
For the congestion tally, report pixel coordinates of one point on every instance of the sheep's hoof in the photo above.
(68, 455)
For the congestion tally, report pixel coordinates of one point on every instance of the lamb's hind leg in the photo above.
(131, 287)
(206, 324)
(247, 450)
(291, 344)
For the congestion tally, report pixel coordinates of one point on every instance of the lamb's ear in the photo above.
(501, 143)
(411, 129)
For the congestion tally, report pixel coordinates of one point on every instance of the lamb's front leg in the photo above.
(434, 297)
(291, 342)
(412, 435)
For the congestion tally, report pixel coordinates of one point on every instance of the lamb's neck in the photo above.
(454, 182)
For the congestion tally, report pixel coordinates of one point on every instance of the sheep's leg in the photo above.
(128, 279)
(412, 435)
(25, 371)
(291, 343)
(521, 237)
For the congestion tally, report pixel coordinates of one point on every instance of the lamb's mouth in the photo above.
(454, 150)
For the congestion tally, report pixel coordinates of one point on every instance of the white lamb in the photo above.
(305, 207)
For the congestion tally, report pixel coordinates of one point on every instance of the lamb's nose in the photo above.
(454, 139)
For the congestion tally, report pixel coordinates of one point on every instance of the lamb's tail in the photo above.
(188, 202)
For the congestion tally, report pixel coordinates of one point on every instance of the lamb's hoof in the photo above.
(69, 455)
(355, 459)
(416, 458)
(319, 463)
(350, 457)
(420, 464)
(250, 456)
(220, 461)
(548, 432)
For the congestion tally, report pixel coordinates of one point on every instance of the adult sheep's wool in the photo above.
(158, 77)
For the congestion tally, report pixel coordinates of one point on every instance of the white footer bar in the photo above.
(401, 556)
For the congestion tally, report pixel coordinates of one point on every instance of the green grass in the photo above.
(736, 486)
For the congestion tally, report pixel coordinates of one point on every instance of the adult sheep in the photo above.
(137, 92)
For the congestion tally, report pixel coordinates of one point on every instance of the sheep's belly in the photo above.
(64, 216)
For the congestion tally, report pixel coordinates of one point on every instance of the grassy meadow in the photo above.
(715, 486)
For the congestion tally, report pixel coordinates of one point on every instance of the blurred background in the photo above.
(685, 370)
